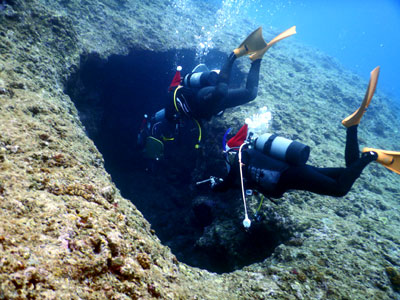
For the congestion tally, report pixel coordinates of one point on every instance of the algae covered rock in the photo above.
(394, 277)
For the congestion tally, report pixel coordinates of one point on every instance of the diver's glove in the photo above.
(215, 181)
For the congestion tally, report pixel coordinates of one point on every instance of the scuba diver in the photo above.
(202, 94)
(272, 165)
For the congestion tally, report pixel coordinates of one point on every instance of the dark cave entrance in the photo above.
(112, 97)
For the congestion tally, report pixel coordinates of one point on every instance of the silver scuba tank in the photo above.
(282, 148)
(200, 77)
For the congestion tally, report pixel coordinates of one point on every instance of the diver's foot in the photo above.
(370, 156)
(258, 54)
(252, 43)
(355, 118)
(241, 51)
(389, 159)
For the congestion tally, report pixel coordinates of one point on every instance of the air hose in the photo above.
(246, 221)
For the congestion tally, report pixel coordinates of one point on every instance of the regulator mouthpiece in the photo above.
(246, 222)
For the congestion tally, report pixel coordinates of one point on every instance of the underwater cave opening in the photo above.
(112, 95)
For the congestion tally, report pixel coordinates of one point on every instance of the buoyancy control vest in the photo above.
(263, 172)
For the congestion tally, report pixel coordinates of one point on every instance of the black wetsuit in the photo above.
(273, 177)
(205, 102)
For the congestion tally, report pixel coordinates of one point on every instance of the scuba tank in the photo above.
(200, 77)
(282, 148)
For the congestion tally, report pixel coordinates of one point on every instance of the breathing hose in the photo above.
(246, 221)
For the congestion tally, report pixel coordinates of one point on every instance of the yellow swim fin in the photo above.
(355, 117)
(252, 43)
(389, 159)
(260, 53)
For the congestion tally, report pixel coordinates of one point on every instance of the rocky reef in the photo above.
(67, 233)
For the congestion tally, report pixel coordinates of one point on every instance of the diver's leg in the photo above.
(225, 72)
(239, 96)
(351, 173)
(333, 173)
(319, 180)
(307, 178)
(218, 98)
(253, 79)
(352, 152)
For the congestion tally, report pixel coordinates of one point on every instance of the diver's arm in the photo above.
(229, 181)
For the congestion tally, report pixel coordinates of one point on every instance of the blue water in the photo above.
(361, 34)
